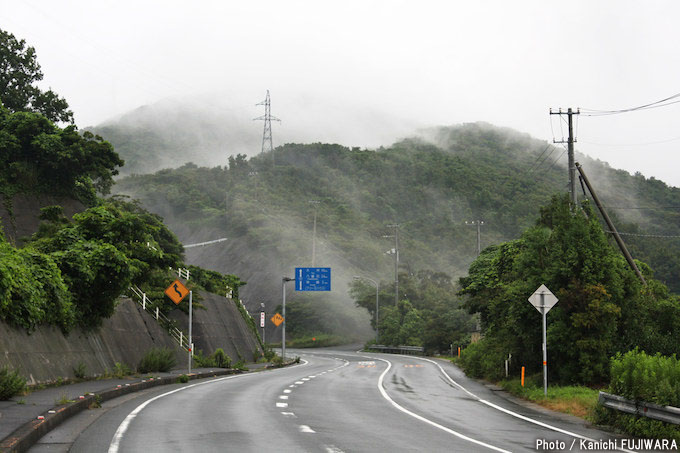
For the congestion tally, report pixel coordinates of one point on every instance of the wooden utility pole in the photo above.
(571, 139)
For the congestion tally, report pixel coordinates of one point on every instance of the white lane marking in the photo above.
(423, 419)
(306, 429)
(125, 424)
(312, 377)
(509, 412)
(332, 449)
(288, 414)
(281, 404)
(287, 391)
(305, 379)
(299, 382)
(283, 397)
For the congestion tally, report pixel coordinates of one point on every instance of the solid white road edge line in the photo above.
(509, 412)
(423, 419)
(122, 428)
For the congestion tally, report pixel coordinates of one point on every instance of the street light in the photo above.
(283, 332)
(377, 305)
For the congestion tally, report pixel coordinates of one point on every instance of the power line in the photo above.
(645, 235)
(652, 105)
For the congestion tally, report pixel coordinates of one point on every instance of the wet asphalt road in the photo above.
(331, 402)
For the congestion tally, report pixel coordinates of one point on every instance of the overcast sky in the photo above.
(425, 62)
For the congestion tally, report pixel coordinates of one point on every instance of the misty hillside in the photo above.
(207, 130)
(430, 186)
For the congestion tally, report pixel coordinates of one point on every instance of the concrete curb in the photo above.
(24, 437)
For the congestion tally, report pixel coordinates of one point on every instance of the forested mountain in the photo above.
(429, 185)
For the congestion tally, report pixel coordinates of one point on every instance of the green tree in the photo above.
(19, 72)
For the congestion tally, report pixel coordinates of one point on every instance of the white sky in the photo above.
(425, 62)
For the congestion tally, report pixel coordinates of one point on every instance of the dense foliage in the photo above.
(603, 308)
(474, 171)
(19, 72)
(428, 314)
(38, 157)
(647, 378)
(71, 272)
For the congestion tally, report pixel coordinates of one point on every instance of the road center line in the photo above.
(423, 419)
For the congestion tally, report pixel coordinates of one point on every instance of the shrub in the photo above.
(80, 370)
(483, 360)
(11, 383)
(183, 379)
(220, 359)
(646, 378)
(121, 370)
(641, 377)
(157, 360)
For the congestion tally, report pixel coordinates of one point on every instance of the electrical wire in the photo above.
(652, 105)
(663, 236)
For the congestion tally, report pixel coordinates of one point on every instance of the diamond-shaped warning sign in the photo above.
(277, 319)
(176, 291)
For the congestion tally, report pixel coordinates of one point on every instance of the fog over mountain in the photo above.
(209, 129)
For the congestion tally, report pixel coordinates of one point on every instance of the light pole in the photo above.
(396, 260)
(283, 334)
(377, 304)
(316, 207)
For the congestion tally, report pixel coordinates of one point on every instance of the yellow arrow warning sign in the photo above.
(176, 291)
(277, 319)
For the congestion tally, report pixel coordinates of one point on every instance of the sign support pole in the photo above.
(545, 348)
(283, 332)
(191, 344)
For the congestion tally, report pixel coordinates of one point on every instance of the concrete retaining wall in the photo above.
(47, 355)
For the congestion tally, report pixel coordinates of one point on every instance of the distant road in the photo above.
(334, 401)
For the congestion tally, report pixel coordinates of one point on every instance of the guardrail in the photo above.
(174, 332)
(408, 350)
(668, 414)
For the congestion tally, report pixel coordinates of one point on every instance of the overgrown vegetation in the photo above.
(217, 359)
(603, 308)
(157, 359)
(11, 383)
(640, 377)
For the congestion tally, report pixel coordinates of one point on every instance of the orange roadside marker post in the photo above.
(522, 376)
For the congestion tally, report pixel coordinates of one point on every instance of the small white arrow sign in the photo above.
(549, 299)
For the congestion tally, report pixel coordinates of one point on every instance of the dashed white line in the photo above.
(283, 397)
(281, 404)
(299, 382)
(306, 429)
(288, 414)
(287, 391)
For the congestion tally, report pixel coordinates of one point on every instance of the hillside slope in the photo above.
(430, 186)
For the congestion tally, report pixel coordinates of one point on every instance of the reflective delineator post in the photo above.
(522, 376)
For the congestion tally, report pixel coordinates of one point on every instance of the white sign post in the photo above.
(544, 300)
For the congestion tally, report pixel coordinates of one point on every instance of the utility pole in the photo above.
(479, 224)
(316, 207)
(396, 260)
(570, 152)
(267, 142)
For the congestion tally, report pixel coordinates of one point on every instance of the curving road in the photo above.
(334, 401)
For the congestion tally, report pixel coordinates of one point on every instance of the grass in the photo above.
(573, 399)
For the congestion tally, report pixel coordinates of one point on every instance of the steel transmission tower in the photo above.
(267, 143)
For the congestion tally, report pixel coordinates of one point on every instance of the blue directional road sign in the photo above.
(312, 279)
